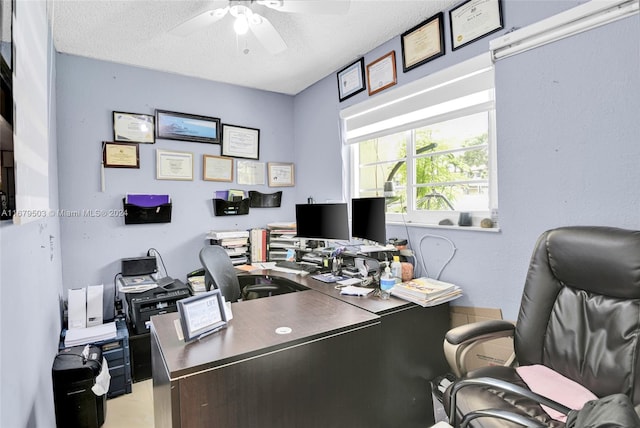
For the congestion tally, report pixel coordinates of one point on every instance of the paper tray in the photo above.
(265, 200)
(222, 207)
(135, 214)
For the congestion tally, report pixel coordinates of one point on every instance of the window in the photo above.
(428, 148)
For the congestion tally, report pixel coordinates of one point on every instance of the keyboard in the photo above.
(297, 266)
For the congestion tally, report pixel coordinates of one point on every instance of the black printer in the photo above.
(161, 300)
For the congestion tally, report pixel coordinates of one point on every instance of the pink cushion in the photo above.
(548, 383)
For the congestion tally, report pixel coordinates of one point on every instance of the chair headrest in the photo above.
(602, 260)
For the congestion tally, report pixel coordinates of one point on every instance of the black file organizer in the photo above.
(222, 207)
(265, 200)
(135, 214)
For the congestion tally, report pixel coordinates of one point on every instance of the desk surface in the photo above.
(370, 303)
(252, 331)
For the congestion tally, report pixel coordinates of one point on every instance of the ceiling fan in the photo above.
(246, 19)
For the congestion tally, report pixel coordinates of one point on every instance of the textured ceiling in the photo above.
(136, 32)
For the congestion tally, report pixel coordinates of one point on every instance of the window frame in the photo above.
(414, 216)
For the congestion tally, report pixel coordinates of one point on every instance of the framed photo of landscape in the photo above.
(171, 125)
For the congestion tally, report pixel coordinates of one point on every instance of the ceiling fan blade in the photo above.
(324, 7)
(266, 34)
(199, 21)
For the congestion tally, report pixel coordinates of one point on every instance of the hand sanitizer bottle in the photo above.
(396, 269)
(386, 283)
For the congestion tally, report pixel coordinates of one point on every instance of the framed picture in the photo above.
(217, 168)
(473, 20)
(423, 42)
(240, 142)
(351, 80)
(381, 73)
(187, 127)
(174, 165)
(120, 155)
(202, 315)
(133, 128)
(280, 174)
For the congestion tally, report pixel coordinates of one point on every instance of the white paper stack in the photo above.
(82, 336)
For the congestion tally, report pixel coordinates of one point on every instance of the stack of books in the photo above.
(426, 291)
(235, 242)
(259, 245)
(197, 285)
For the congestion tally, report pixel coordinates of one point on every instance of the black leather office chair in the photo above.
(579, 317)
(220, 273)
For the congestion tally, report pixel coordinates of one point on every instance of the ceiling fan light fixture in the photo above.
(241, 25)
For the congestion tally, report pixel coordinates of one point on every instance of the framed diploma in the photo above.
(280, 174)
(351, 80)
(240, 142)
(217, 168)
(381, 73)
(134, 128)
(121, 155)
(423, 42)
(174, 165)
(201, 315)
(187, 127)
(474, 19)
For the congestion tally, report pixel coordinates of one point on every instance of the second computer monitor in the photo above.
(368, 219)
(322, 221)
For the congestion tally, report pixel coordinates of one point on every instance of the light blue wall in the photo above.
(88, 92)
(31, 268)
(567, 142)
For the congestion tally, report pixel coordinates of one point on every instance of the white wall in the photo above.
(567, 142)
(31, 274)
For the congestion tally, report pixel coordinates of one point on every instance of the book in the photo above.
(222, 234)
(433, 301)
(424, 288)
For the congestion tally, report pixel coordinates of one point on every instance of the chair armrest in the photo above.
(500, 384)
(475, 330)
(460, 340)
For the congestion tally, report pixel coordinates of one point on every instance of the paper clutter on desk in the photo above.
(352, 290)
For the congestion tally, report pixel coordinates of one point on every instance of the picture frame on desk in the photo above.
(171, 125)
(201, 315)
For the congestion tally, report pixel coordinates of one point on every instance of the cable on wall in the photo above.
(154, 252)
(453, 252)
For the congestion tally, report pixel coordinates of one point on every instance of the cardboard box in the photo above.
(492, 353)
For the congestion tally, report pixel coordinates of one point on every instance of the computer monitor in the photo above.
(368, 220)
(322, 221)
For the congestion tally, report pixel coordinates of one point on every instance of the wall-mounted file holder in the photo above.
(222, 207)
(136, 214)
(265, 200)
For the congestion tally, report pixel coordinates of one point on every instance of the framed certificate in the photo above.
(474, 19)
(201, 315)
(240, 142)
(174, 165)
(423, 42)
(134, 128)
(217, 168)
(351, 80)
(280, 174)
(381, 73)
(121, 155)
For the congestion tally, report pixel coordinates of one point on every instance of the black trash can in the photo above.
(74, 374)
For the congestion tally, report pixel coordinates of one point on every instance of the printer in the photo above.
(142, 306)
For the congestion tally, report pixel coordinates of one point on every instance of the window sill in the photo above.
(440, 227)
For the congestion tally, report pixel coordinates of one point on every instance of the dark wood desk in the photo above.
(349, 362)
